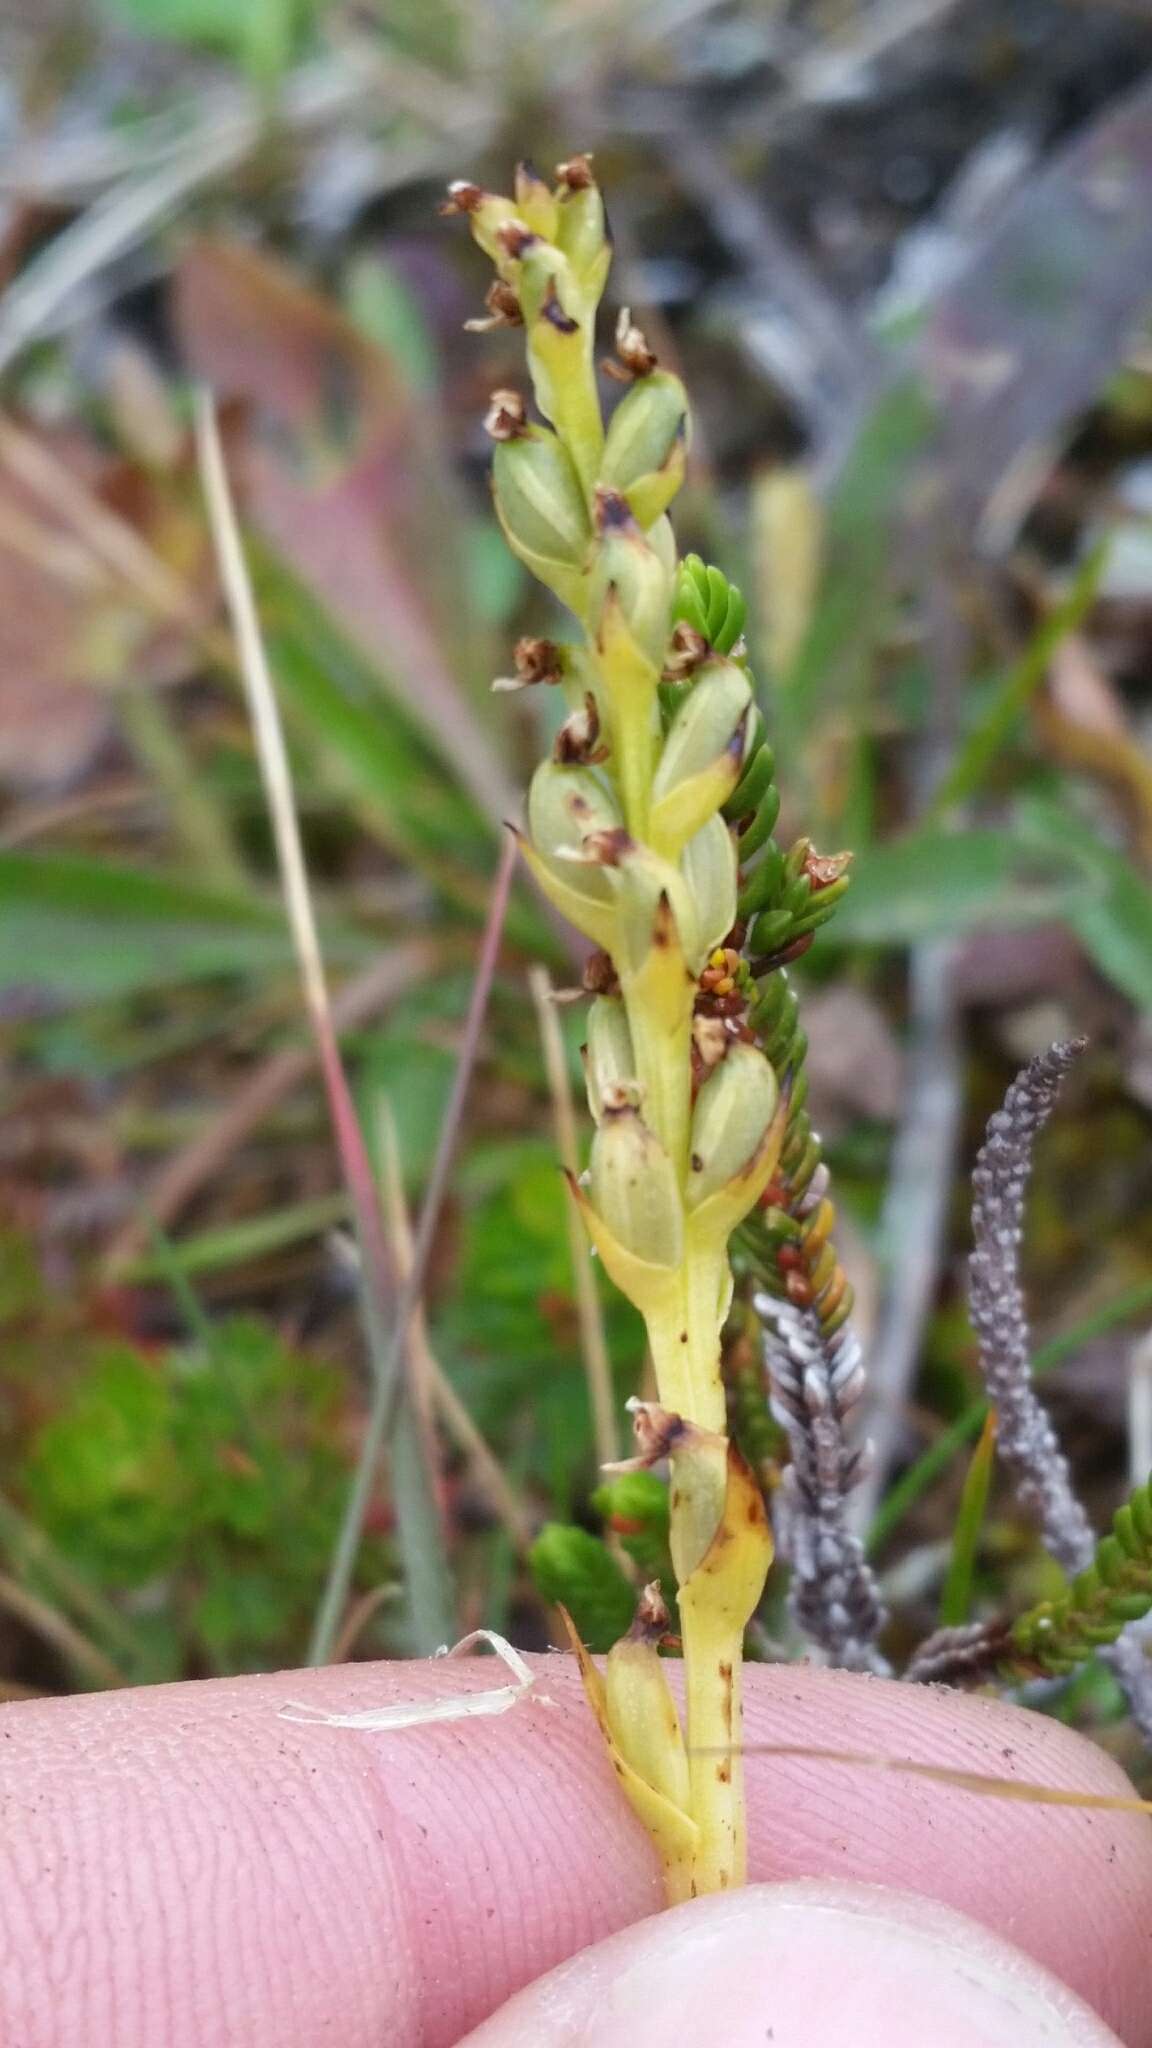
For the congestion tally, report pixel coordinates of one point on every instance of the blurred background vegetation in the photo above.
(901, 251)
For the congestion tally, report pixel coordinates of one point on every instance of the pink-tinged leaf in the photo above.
(342, 475)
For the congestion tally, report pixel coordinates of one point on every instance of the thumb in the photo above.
(800, 1965)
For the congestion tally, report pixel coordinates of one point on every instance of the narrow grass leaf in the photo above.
(956, 1600)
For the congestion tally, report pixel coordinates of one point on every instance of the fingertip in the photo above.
(1070, 1886)
(800, 1965)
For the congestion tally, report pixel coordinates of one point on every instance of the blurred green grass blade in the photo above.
(956, 1599)
(994, 729)
(85, 930)
(392, 317)
(166, 1253)
(372, 754)
(1111, 909)
(30, 1551)
(373, 750)
(937, 883)
(832, 664)
(933, 1463)
(213, 1251)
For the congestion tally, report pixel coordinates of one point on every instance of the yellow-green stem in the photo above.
(712, 1674)
(685, 1345)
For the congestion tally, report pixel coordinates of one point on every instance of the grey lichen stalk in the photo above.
(1026, 1441)
(816, 1382)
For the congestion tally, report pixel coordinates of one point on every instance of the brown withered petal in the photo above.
(463, 197)
(506, 418)
(576, 174)
(577, 742)
(632, 346)
(608, 848)
(651, 1619)
(600, 976)
(537, 660)
(657, 1431)
(689, 650)
(504, 310)
(515, 237)
(824, 868)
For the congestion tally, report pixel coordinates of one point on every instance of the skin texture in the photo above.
(182, 1865)
(800, 1965)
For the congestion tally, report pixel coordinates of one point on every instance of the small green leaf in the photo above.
(1111, 908)
(574, 1569)
(1116, 1588)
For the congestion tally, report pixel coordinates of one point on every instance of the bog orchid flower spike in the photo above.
(650, 826)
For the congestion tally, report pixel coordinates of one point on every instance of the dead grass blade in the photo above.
(380, 1416)
(421, 1534)
(978, 1782)
(183, 1176)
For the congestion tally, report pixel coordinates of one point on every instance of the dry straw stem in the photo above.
(181, 1178)
(411, 1291)
(59, 1633)
(988, 1787)
(487, 1473)
(28, 1547)
(420, 1531)
(593, 1342)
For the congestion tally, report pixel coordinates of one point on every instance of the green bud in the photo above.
(708, 866)
(713, 711)
(646, 446)
(548, 291)
(657, 914)
(536, 203)
(542, 510)
(581, 229)
(703, 754)
(733, 1110)
(628, 578)
(609, 1058)
(642, 1713)
(661, 536)
(565, 806)
(488, 213)
(634, 1190)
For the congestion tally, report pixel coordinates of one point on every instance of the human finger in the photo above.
(183, 1864)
